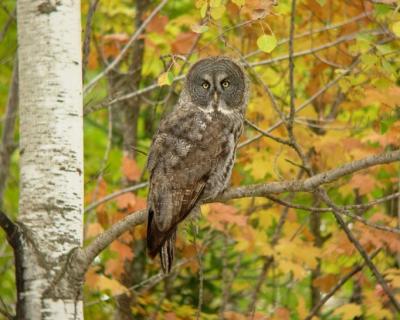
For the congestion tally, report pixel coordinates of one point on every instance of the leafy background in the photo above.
(251, 257)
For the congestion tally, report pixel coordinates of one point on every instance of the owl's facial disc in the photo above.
(216, 84)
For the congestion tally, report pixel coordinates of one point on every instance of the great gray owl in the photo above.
(193, 151)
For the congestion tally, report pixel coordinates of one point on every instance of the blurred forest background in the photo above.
(276, 257)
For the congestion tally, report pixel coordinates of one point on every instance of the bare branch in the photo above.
(10, 228)
(345, 210)
(88, 32)
(115, 194)
(87, 254)
(291, 70)
(7, 137)
(265, 133)
(309, 184)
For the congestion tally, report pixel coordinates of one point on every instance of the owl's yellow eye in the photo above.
(205, 85)
(225, 84)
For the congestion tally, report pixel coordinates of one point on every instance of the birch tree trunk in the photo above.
(51, 144)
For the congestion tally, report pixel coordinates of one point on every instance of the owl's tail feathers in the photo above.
(161, 243)
(167, 253)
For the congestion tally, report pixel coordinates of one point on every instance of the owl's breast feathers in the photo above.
(190, 159)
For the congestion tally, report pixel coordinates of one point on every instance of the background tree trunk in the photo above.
(51, 144)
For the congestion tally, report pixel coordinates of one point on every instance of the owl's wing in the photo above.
(180, 161)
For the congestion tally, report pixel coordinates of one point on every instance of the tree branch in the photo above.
(86, 255)
(345, 210)
(10, 228)
(309, 184)
(7, 137)
(88, 33)
(115, 194)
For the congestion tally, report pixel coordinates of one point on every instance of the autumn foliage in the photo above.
(248, 258)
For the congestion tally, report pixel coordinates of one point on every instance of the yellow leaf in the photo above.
(287, 266)
(165, 78)
(348, 311)
(302, 307)
(267, 43)
(217, 12)
(396, 28)
(215, 3)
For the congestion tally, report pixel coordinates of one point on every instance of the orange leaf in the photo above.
(93, 230)
(364, 183)
(124, 251)
(183, 43)
(325, 282)
(114, 267)
(157, 24)
(130, 169)
(220, 214)
(126, 201)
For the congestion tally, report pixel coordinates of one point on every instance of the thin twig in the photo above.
(291, 70)
(106, 155)
(348, 37)
(337, 213)
(125, 48)
(316, 31)
(86, 37)
(115, 194)
(345, 211)
(103, 104)
(265, 133)
(316, 95)
(7, 137)
(10, 228)
(86, 255)
(338, 285)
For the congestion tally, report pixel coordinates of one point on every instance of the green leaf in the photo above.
(321, 2)
(382, 9)
(267, 43)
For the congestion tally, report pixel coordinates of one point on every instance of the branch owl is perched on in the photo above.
(193, 151)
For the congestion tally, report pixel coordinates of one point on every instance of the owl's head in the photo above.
(217, 84)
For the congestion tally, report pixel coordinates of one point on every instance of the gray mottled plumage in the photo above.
(193, 151)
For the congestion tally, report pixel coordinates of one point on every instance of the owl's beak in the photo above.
(216, 99)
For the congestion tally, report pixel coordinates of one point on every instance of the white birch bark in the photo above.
(51, 144)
